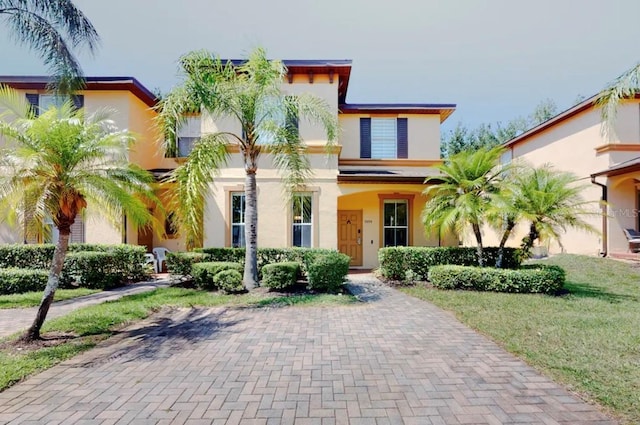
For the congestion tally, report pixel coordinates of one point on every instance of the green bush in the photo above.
(130, 258)
(204, 273)
(17, 281)
(326, 272)
(229, 281)
(180, 263)
(396, 262)
(537, 278)
(94, 270)
(280, 276)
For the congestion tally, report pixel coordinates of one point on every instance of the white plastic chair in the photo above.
(151, 259)
(161, 256)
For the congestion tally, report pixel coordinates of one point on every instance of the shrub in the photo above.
(25, 256)
(180, 263)
(128, 259)
(395, 262)
(326, 272)
(529, 279)
(229, 281)
(94, 270)
(204, 273)
(17, 281)
(280, 276)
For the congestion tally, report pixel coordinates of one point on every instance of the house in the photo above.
(365, 194)
(609, 167)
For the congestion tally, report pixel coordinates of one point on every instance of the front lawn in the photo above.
(82, 329)
(32, 299)
(588, 339)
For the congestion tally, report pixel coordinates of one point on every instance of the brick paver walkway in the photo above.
(391, 360)
(15, 320)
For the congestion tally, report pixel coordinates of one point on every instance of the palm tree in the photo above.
(462, 196)
(251, 94)
(551, 202)
(55, 164)
(53, 29)
(625, 86)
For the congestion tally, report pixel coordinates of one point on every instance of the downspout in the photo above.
(604, 198)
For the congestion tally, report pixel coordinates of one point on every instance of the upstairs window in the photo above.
(41, 102)
(383, 138)
(187, 135)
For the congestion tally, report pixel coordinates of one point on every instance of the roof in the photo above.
(91, 83)
(442, 109)
(341, 67)
(619, 169)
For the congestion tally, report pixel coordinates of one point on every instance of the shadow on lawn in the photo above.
(585, 290)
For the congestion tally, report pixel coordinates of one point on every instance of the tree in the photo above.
(551, 202)
(463, 192)
(53, 29)
(625, 86)
(58, 162)
(251, 94)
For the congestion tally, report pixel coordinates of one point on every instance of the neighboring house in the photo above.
(365, 192)
(610, 167)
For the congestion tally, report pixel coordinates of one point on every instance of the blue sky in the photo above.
(496, 59)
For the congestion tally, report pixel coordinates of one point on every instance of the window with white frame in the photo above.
(187, 135)
(396, 222)
(237, 219)
(302, 222)
(384, 138)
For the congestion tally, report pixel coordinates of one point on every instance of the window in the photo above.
(170, 226)
(41, 102)
(237, 220)
(46, 101)
(302, 220)
(396, 222)
(187, 135)
(50, 232)
(282, 114)
(384, 138)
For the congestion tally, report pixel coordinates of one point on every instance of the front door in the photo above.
(350, 235)
(145, 237)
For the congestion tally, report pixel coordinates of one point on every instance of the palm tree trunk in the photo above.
(251, 230)
(479, 250)
(59, 254)
(503, 242)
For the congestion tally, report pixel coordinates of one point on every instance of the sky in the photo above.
(495, 59)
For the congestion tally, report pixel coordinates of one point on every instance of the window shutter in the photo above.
(77, 231)
(403, 138)
(78, 101)
(365, 137)
(34, 100)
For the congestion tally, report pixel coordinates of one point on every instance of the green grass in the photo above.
(588, 339)
(32, 299)
(96, 322)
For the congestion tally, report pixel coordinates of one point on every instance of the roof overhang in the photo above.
(90, 83)
(444, 110)
(631, 166)
(383, 176)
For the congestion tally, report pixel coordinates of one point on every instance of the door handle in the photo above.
(359, 241)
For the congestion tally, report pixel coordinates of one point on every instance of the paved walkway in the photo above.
(15, 320)
(391, 360)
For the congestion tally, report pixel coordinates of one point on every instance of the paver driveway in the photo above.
(391, 360)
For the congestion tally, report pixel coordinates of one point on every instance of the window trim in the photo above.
(315, 217)
(302, 224)
(396, 197)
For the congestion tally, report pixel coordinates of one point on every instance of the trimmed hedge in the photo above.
(398, 262)
(280, 276)
(326, 272)
(180, 263)
(17, 281)
(538, 278)
(229, 281)
(129, 258)
(94, 270)
(204, 273)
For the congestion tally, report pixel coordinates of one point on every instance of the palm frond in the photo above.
(625, 86)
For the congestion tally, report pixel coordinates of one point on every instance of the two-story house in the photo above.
(365, 192)
(608, 167)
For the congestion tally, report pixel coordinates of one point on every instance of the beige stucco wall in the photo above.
(423, 132)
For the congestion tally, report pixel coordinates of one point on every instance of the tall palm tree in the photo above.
(462, 195)
(53, 29)
(55, 164)
(625, 86)
(551, 202)
(251, 94)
